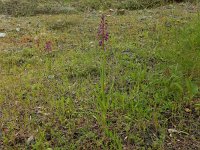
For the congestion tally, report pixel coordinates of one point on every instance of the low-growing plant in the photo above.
(102, 100)
(20, 8)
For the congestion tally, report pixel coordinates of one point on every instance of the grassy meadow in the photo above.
(142, 92)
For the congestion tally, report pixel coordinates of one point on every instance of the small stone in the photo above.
(30, 140)
(46, 114)
(125, 138)
(111, 10)
(36, 38)
(121, 11)
(2, 35)
(17, 29)
(173, 131)
(187, 110)
(51, 76)
(91, 44)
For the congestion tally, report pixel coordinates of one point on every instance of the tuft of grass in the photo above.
(31, 7)
(84, 5)
(18, 8)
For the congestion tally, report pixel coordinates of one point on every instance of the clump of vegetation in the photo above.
(19, 8)
(55, 8)
(31, 7)
(123, 4)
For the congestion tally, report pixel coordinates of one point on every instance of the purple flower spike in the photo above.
(103, 34)
(48, 46)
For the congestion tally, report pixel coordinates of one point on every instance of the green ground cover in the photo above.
(54, 100)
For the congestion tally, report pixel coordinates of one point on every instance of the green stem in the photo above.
(103, 94)
(103, 77)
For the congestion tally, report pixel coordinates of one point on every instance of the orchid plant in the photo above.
(103, 37)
